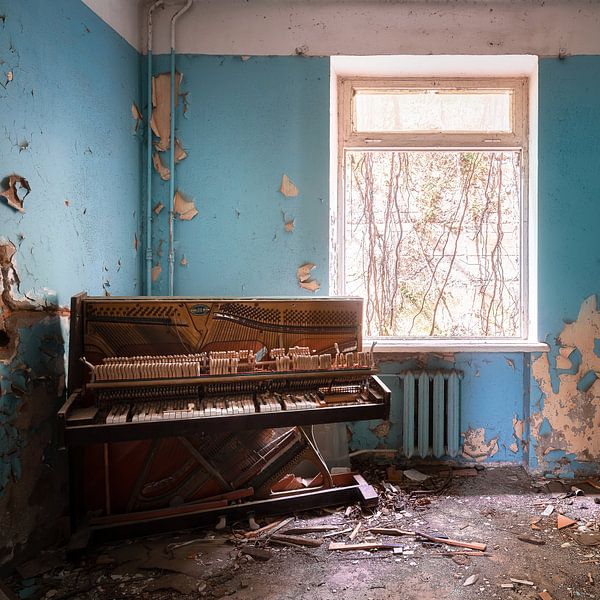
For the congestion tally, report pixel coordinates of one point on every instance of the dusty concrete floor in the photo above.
(494, 506)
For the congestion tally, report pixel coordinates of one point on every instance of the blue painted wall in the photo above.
(248, 122)
(74, 80)
(66, 126)
(569, 259)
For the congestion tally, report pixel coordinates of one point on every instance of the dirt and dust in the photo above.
(494, 506)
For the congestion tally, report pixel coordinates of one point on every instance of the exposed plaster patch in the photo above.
(288, 224)
(180, 152)
(184, 207)
(158, 207)
(17, 190)
(161, 108)
(303, 272)
(164, 172)
(567, 418)
(476, 448)
(304, 278)
(136, 242)
(287, 188)
(183, 262)
(156, 270)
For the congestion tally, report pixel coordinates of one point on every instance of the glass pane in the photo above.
(429, 110)
(432, 242)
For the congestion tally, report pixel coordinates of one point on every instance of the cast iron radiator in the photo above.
(430, 413)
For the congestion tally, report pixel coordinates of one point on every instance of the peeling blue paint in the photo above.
(569, 180)
(70, 98)
(586, 381)
(251, 122)
(545, 428)
(66, 126)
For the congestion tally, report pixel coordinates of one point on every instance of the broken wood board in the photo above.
(361, 546)
(309, 529)
(451, 542)
(294, 539)
(287, 188)
(389, 531)
(268, 529)
(531, 540)
(18, 189)
(184, 207)
(161, 107)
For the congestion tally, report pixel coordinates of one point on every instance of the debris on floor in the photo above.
(443, 536)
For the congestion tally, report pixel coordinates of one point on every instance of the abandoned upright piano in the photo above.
(183, 411)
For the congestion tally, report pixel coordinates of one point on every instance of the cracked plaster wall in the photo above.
(66, 126)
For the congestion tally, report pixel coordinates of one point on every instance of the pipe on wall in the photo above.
(148, 232)
(174, 19)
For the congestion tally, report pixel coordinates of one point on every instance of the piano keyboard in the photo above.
(220, 406)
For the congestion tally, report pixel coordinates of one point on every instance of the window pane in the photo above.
(432, 242)
(422, 111)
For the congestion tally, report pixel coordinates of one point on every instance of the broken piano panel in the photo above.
(187, 409)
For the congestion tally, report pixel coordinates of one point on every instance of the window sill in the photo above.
(418, 346)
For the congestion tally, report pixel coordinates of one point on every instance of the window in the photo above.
(432, 206)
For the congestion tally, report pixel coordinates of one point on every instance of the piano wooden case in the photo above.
(182, 410)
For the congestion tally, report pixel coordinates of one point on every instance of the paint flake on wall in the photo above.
(287, 188)
(164, 172)
(184, 207)
(476, 448)
(18, 189)
(161, 108)
(304, 278)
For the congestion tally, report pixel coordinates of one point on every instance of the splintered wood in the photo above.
(185, 208)
(161, 107)
(18, 190)
(287, 188)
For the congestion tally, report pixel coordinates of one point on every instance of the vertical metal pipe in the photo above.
(172, 154)
(148, 232)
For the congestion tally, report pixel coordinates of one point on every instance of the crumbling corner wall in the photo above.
(32, 376)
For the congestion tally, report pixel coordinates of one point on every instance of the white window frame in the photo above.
(522, 84)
